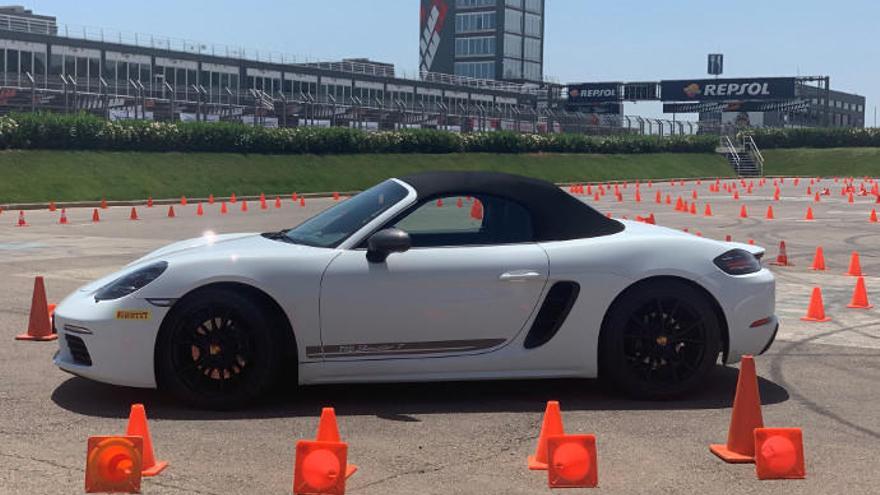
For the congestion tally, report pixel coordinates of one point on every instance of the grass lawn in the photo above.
(829, 161)
(41, 176)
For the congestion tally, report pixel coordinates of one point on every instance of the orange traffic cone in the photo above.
(137, 426)
(277, 202)
(52, 206)
(183, 201)
(263, 204)
(134, 214)
(150, 202)
(244, 206)
(770, 213)
(860, 296)
(63, 219)
(477, 210)
(779, 454)
(439, 202)
(103, 204)
(21, 221)
(40, 320)
(171, 212)
(335, 196)
(572, 461)
(210, 199)
(658, 198)
(293, 197)
(322, 464)
(459, 203)
(223, 208)
(200, 211)
(855, 267)
(113, 464)
(819, 260)
(816, 309)
(96, 217)
(743, 213)
(551, 426)
(693, 209)
(232, 198)
(746, 416)
(708, 211)
(782, 258)
(728, 238)
(809, 215)
(873, 217)
(302, 201)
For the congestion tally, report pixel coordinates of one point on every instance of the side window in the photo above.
(467, 221)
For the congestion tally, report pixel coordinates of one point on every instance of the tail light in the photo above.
(738, 262)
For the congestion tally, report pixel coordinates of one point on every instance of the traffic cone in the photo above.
(668, 199)
(21, 221)
(52, 206)
(223, 208)
(96, 217)
(746, 416)
(293, 197)
(855, 267)
(459, 203)
(320, 462)
(244, 206)
(302, 201)
(551, 426)
(335, 196)
(658, 198)
(210, 199)
(782, 258)
(63, 219)
(860, 296)
(873, 217)
(171, 212)
(183, 201)
(263, 204)
(572, 461)
(103, 204)
(779, 454)
(743, 213)
(477, 210)
(40, 320)
(809, 215)
(134, 214)
(728, 238)
(819, 260)
(113, 464)
(708, 211)
(651, 219)
(693, 210)
(770, 213)
(816, 309)
(200, 211)
(638, 196)
(137, 426)
(277, 202)
(232, 198)
(150, 202)
(439, 202)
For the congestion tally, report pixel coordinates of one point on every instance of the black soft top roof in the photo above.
(556, 215)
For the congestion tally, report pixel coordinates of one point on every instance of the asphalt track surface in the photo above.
(447, 438)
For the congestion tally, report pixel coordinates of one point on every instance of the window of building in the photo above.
(535, 6)
(477, 70)
(514, 3)
(474, 3)
(513, 21)
(533, 25)
(513, 45)
(475, 22)
(532, 71)
(533, 49)
(512, 68)
(470, 47)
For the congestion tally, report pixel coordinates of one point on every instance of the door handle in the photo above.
(519, 275)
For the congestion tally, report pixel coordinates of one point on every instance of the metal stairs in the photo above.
(745, 158)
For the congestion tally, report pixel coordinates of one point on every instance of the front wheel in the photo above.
(217, 351)
(660, 340)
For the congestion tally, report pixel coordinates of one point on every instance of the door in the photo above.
(468, 284)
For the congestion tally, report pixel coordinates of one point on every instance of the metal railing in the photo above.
(731, 152)
(751, 148)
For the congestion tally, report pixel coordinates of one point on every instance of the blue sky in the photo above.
(587, 40)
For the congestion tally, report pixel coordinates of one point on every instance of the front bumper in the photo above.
(111, 341)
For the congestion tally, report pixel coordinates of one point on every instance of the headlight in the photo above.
(738, 262)
(132, 282)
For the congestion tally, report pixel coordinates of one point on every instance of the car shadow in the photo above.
(400, 402)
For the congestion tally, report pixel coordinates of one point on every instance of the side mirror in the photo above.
(385, 242)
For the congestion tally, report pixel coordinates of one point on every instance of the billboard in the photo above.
(436, 37)
(759, 88)
(587, 93)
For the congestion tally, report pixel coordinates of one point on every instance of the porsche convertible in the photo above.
(433, 276)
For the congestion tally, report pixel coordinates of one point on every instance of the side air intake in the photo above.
(560, 298)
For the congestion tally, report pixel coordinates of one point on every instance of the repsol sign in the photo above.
(728, 89)
(593, 92)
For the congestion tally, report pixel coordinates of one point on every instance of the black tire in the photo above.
(217, 350)
(659, 340)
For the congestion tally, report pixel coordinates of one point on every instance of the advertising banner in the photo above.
(764, 88)
(594, 92)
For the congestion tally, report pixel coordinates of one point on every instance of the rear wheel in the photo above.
(217, 350)
(660, 340)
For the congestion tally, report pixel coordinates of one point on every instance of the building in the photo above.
(483, 39)
(22, 19)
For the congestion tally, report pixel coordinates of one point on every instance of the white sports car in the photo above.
(435, 276)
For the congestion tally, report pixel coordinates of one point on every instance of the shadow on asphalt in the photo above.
(399, 402)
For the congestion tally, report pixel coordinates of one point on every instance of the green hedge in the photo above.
(816, 138)
(86, 132)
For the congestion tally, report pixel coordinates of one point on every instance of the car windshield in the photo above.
(332, 226)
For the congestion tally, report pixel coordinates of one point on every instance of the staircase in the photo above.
(745, 158)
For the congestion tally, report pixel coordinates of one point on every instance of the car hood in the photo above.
(206, 240)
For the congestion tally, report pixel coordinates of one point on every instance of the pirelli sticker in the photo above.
(142, 315)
